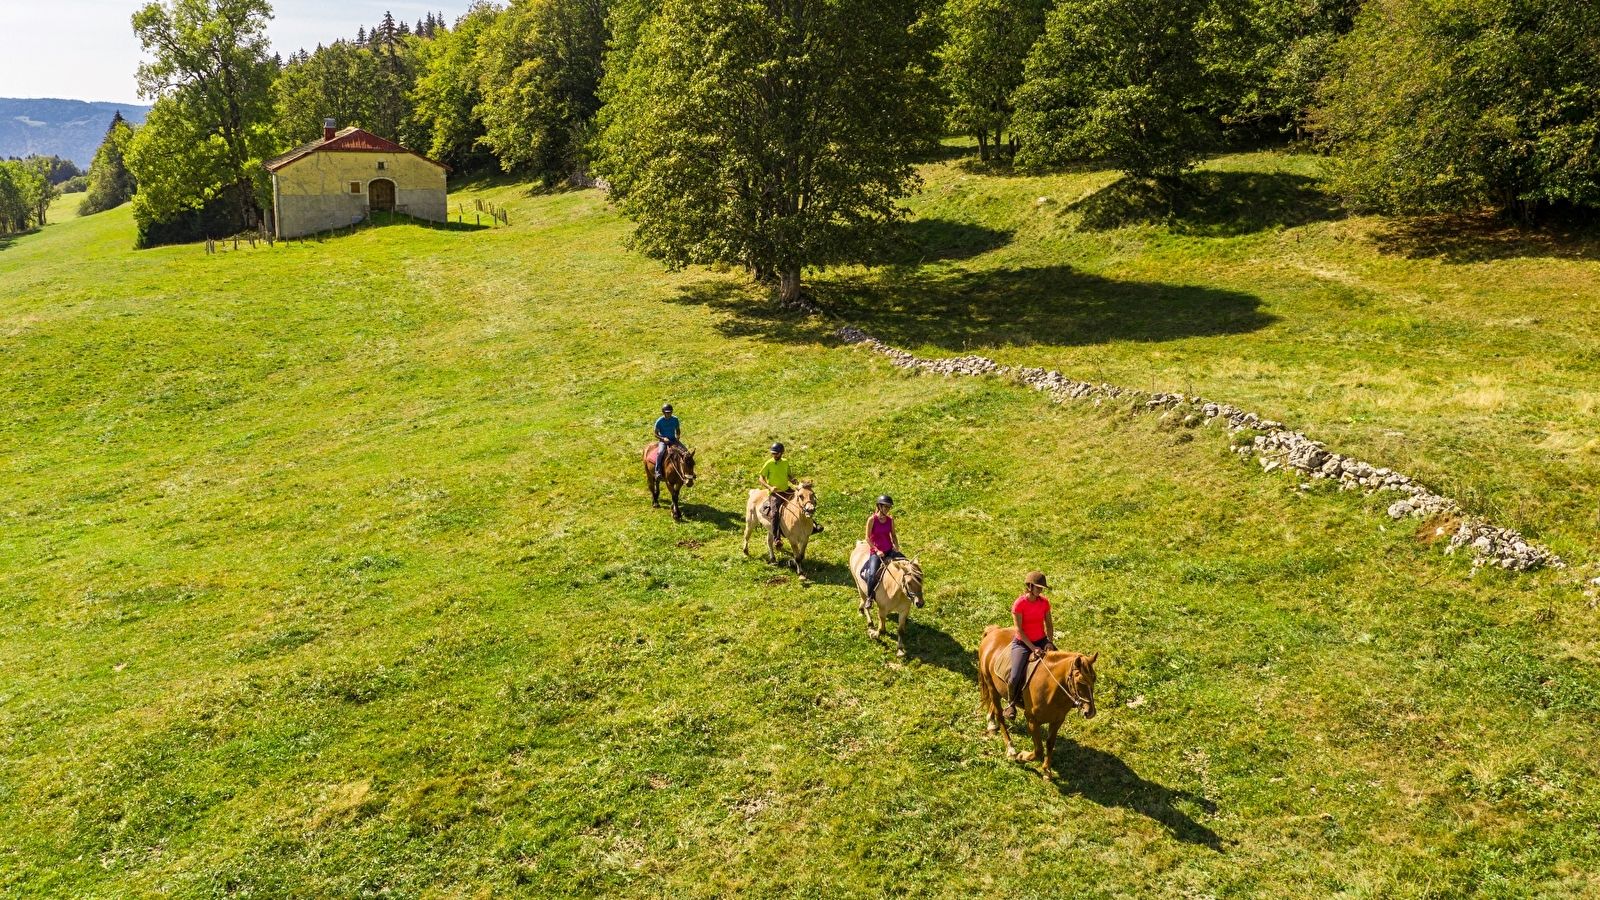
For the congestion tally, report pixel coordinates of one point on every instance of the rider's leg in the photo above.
(870, 572)
(775, 513)
(661, 457)
(1019, 674)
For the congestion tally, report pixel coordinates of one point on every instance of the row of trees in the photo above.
(776, 134)
(509, 85)
(26, 192)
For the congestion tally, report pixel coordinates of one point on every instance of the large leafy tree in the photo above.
(1119, 82)
(25, 194)
(211, 77)
(336, 82)
(541, 64)
(1445, 105)
(770, 134)
(1264, 59)
(981, 63)
(447, 91)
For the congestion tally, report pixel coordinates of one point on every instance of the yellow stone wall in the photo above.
(313, 193)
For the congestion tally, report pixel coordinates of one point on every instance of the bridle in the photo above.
(905, 582)
(1077, 701)
(677, 457)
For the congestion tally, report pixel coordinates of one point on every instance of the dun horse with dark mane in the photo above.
(677, 471)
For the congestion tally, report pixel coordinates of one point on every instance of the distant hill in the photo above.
(71, 129)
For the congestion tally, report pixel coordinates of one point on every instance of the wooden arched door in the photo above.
(380, 195)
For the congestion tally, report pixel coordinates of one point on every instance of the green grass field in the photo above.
(327, 570)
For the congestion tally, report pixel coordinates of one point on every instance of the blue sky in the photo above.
(85, 49)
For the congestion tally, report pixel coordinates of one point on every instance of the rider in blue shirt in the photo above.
(667, 430)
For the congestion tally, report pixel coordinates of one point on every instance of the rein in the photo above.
(1077, 702)
(890, 570)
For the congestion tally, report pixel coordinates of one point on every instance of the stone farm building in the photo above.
(348, 175)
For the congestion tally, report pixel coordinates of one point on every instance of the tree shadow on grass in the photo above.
(6, 240)
(1486, 237)
(1104, 779)
(1057, 305)
(929, 240)
(1210, 204)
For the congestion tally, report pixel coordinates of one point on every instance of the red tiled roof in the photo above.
(350, 140)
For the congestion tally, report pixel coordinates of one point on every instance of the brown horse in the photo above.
(797, 522)
(1063, 682)
(677, 471)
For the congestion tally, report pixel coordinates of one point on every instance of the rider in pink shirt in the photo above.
(884, 542)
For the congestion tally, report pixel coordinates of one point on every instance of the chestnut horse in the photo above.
(1063, 682)
(797, 523)
(677, 471)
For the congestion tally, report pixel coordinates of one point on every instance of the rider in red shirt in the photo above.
(1035, 634)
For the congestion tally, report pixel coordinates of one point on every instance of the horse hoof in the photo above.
(1011, 754)
(992, 730)
(1025, 756)
(900, 653)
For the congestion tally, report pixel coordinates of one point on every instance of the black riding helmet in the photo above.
(667, 409)
(885, 500)
(777, 448)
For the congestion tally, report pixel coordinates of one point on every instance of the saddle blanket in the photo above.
(1001, 665)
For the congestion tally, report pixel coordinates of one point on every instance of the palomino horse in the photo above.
(899, 589)
(677, 472)
(796, 524)
(1063, 682)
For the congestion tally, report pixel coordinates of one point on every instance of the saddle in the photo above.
(651, 453)
(1001, 666)
(762, 515)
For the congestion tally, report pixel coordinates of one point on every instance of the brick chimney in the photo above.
(329, 129)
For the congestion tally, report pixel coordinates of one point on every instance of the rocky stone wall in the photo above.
(1273, 445)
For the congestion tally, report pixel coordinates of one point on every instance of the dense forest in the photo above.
(778, 135)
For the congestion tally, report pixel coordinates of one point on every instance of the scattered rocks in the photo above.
(1276, 448)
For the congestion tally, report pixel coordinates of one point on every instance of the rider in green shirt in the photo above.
(775, 478)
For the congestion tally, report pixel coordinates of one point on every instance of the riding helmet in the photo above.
(777, 448)
(667, 409)
(1035, 578)
(885, 500)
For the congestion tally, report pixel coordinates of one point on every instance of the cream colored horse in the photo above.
(796, 525)
(899, 589)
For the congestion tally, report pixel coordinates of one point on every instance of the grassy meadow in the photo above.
(328, 570)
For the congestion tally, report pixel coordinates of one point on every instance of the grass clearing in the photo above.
(328, 570)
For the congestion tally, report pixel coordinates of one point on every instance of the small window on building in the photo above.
(383, 166)
(355, 187)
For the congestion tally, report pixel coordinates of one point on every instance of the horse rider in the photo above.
(884, 541)
(780, 489)
(1036, 633)
(667, 430)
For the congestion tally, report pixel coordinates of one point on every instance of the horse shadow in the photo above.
(1105, 779)
(933, 646)
(823, 572)
(720, 519)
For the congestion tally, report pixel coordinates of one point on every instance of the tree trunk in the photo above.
(789, 286)
(997, 142)
(983, 146)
